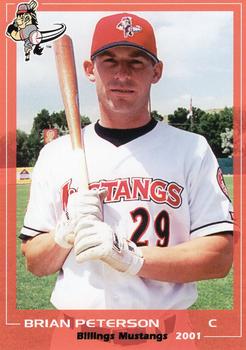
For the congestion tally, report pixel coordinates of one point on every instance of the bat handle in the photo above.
(80, 170)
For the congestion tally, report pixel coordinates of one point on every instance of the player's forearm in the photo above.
(43, 255)
(203, 258)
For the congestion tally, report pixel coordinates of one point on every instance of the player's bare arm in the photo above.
(43, 255)
(202, 258)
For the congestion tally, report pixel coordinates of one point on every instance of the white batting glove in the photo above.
(96, 240)
(81, 204)
(64, 232)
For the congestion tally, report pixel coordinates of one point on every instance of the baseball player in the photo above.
(24, 27)
(157, 216)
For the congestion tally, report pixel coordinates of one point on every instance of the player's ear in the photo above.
(89, 70)
(157, 72)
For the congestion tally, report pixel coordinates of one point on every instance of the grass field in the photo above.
(34, 292)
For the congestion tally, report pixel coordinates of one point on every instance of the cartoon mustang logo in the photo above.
(127, 27)
(25, 28)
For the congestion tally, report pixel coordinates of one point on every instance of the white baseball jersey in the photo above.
(164, 188)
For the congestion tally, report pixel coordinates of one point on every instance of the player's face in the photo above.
(23, 20)
(123, 79)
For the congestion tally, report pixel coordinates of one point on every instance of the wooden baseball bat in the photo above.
(67, 76)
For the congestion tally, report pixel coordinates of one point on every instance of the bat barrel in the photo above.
(66, 69)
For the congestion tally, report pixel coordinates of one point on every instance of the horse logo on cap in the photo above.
(127, 27)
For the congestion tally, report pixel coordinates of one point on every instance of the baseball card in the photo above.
(122, 175)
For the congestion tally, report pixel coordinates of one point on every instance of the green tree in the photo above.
(58, 120)
(227, 142)
(156, 116)
(179, 119)
(45, 120)
(85, 120)
(226, 117)
(22, 149)
(41, 121)
(210, 125)
(34, 144)
(35, 140)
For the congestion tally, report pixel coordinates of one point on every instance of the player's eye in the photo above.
(109, 60)
(137, 63)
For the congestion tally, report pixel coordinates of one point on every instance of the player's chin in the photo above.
(122, 110)
(122, 104)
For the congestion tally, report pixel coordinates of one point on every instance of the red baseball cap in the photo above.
(22, 8)
(124, 29)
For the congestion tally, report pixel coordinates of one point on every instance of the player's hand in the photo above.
(81, 204)
(64, 232)
(86, 204)
(96, 240)
(11, 28)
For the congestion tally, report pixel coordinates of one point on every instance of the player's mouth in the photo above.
(122, 91)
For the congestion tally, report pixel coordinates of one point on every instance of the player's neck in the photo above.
(122, 121)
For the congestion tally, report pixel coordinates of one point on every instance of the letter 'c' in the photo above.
(212, 323)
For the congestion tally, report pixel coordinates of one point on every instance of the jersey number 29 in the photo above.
(161, 226)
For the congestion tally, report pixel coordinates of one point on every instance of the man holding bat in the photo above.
(156, 217)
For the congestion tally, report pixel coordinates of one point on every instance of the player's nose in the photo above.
(122, 71)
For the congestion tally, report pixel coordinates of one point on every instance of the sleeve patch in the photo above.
(222, 184)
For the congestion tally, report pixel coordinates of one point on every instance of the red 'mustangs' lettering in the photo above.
(174, 195)
(140, 188)
(67, 190)
(143, 189)
(158, 191)
(94, 186)
(123, 190)
(111, 187)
